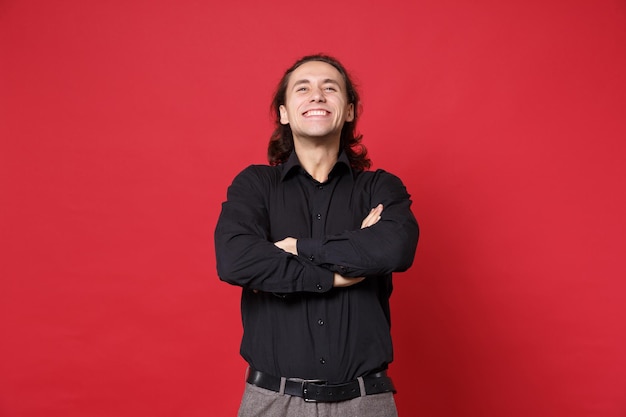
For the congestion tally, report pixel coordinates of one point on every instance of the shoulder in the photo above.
(382, 184)
(377, 176)
(257, 177)
(259, 173)
(253, 183)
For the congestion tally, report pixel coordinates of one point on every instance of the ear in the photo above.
(350, 113)
(283, 115)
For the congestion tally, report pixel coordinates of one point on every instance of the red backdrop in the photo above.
(123, 122)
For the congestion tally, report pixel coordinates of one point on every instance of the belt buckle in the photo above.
(306, 390)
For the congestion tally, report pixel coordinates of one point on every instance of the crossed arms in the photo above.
(247, 257)
(290, 244)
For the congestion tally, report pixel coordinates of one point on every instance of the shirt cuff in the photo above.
(320, 281)
(310, 249)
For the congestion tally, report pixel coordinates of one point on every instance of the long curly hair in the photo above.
(281, 142)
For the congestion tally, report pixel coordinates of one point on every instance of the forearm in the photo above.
(262, 266)
(378, 250)
(289, 245)
(385, 243)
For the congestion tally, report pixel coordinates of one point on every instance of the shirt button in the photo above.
(318, 216)
(320, 322)
(311, 258)
(320, 187)
(319, 287)
(322, 361)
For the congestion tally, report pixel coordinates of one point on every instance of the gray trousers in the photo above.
(259, 402)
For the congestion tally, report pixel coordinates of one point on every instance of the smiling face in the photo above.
(316, 104)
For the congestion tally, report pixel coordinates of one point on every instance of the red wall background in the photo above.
(123, 122)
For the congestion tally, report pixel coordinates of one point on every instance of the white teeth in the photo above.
(316, 113)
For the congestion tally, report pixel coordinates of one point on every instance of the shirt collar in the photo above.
(293, 163)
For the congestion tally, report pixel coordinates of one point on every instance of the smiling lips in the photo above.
(315, 113)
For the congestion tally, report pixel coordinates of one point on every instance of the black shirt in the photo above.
(295, 323)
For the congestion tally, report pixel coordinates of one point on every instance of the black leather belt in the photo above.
(320, 391)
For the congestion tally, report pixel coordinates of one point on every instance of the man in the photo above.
(313, 239)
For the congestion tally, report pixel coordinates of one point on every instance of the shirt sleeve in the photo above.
(386, 247)
(244, 255)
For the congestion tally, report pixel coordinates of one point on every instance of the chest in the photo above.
(302, 207)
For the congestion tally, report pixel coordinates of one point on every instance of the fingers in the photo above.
(341, 281)
(288, 244)
(373, 217)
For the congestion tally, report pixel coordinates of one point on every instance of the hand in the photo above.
(373, 217)
(288, 244)
(341, 281)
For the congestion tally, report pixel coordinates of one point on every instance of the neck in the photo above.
(318, 159)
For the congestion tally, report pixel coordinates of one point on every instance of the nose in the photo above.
(317, 95)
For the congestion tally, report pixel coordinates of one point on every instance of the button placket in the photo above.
(318, 205)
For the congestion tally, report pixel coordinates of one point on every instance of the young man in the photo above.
(312, 239)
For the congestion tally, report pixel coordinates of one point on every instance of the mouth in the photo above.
(315, 112)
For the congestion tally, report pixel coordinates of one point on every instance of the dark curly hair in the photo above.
(281, 141)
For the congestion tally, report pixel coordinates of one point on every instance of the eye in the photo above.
(330, 88)
(301, 89)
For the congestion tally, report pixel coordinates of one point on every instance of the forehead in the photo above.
(315, 71)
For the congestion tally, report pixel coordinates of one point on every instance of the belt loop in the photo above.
(283, 381)
(361, 386)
